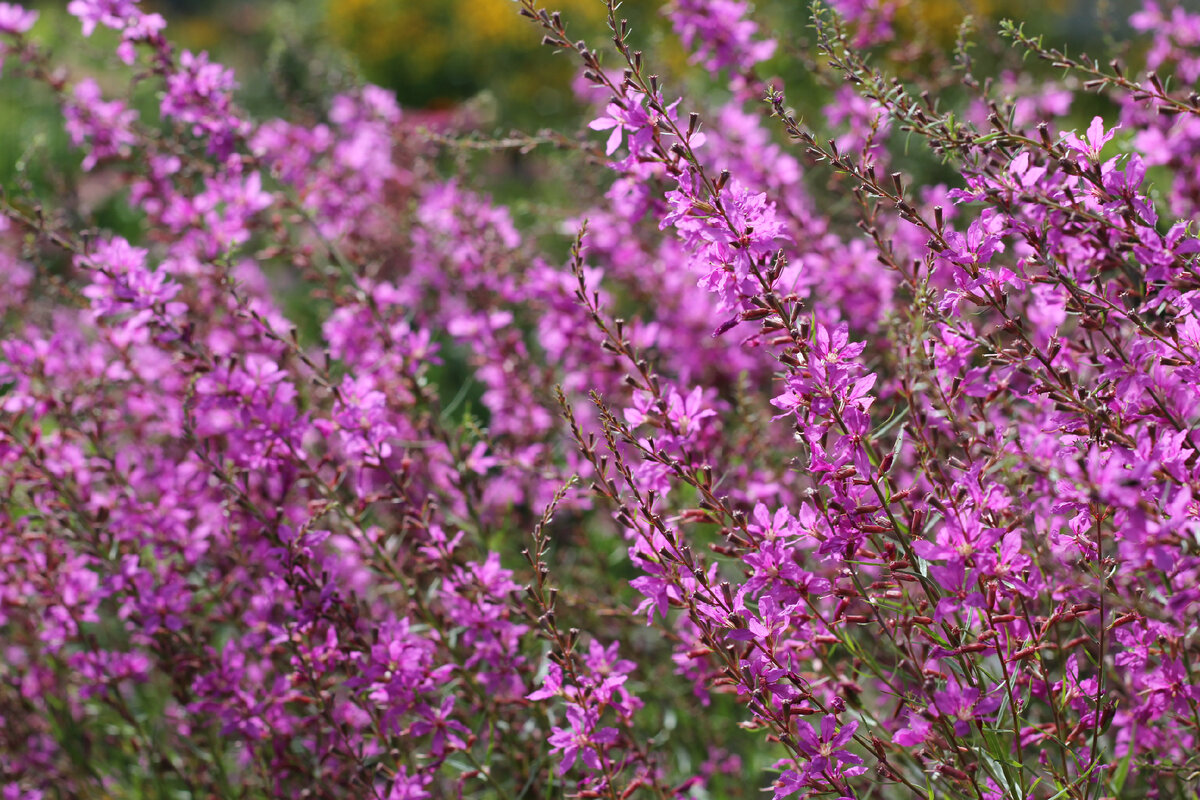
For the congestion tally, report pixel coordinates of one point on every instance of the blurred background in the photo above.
(478, 57)
(480, 63)
(437, 54)
(440, 54)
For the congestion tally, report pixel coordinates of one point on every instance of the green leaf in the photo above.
(1118, 780)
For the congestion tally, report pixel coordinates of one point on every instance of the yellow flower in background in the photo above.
(441, 52)
(437, 53)
(941, 18)
(378, 29)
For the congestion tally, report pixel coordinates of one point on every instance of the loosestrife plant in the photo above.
(901, 475)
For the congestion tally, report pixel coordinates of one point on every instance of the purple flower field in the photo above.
(833, 431)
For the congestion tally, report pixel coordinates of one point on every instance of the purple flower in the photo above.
(628, 115)
(122, 281)
(552, 684)
(105, 127)
(963, 704)
(915, 733)
(581, 739)
(827, 750)
(1097, 137)
(719, 33)
(446, 731)
(687, 413)
(788, 783)
(16, 20)
(409, 787)
(109, 13)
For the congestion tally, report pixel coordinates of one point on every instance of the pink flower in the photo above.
(109, 13)
(1097, 137)
(827, 749)
(581, 739)
(16, 20)
(963, 704)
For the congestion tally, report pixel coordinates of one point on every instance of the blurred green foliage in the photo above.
(290, 55)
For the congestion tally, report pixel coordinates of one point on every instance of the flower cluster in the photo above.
(333, 476)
